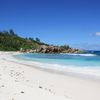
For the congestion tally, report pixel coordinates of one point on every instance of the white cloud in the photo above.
(98, 33)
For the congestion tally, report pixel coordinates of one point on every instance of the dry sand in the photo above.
(22, 82)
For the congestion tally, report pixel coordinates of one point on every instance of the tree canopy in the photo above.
(10, 41)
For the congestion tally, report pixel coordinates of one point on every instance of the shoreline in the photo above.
(40, 84)
(65, 71)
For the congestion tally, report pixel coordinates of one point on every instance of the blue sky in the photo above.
(73, 22)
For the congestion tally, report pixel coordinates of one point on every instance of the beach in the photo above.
(18, 81)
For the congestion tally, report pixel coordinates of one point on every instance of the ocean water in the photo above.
(84, 64)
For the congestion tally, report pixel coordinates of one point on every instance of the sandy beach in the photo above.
(22, 82)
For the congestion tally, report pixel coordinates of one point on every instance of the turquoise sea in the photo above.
(81, 60)
(88, 64)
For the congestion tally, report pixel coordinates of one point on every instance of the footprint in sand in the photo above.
(47, 89)
(22, 92)
(2, 86)
(12, 99)
(40, 87)
(0, 76)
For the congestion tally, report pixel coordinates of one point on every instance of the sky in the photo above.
(58, 22)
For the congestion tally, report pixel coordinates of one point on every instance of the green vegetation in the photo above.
(10, 41)
(65, 47)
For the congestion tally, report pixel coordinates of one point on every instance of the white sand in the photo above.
(22, 82)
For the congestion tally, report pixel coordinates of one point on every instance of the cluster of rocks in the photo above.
(51, 49)
(43, 49)
(72, 51)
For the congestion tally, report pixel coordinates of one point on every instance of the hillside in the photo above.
(9, 41)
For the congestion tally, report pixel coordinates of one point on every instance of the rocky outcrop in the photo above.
(52, 49)
(71, 50)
